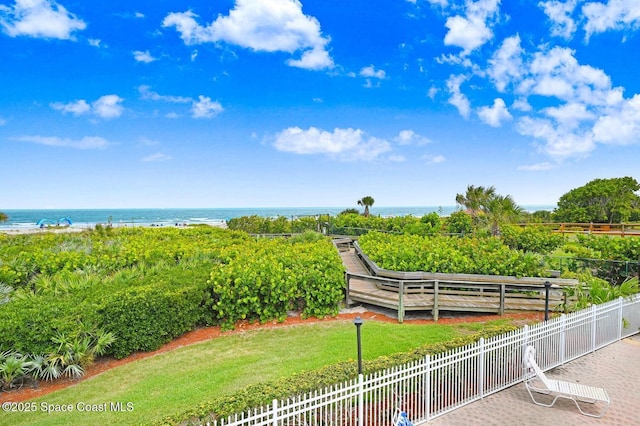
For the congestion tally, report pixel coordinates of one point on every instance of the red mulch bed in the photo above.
(203, 334)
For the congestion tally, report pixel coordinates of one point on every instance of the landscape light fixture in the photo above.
(358, 323)
(547, 286)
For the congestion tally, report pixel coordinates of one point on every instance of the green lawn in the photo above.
(172, 382)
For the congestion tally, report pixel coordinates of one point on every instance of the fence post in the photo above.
(347, 277)
(525, 343)
(427, 380)
(434, 312)
(594, 327)
(401, 302)
(275, 412)
(481, 368)
(620, 318)
(360, 400)
(563, 338)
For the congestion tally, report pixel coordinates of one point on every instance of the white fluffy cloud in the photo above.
(344, 144)
(145, 56)
(496, 114)
(612, 15)
(371, 72)
(557, 142)
(148, 94)
(409, 137)
(505, 65)
(472, 30)
(621, 125)
(560, 15)
(261, 25)
(204, 107)
(579, 107)
(88, 142)
(40, 19)
(457, 98)
(107, 106)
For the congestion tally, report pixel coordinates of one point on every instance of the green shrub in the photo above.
(533, 239)
(487, 256)
(459, 222)
(267, 278)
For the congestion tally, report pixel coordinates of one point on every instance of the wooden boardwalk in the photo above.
(462, 293)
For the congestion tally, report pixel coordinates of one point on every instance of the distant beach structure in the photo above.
(63, 221)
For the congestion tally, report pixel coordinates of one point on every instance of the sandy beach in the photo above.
(73, 228)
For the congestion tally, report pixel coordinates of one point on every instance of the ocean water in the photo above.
(88, 218)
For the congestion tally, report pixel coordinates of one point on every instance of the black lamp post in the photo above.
(358, 323)
(547, 286)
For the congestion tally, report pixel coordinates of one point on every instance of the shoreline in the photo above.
(78, 228)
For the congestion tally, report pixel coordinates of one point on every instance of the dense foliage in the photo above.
(531, 239)
(601, 201)
(488, 256)
(612, 259)
(346, 223)
(271, 277)
(148, 286)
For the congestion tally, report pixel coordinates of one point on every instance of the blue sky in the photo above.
(263, 103)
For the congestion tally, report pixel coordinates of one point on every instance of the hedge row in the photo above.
(487, 256)
(176, 280)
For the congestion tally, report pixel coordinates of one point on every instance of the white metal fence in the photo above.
(438, 384)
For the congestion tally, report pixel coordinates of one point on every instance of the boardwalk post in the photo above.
(401, 302)
(547, 286)
(434, 312)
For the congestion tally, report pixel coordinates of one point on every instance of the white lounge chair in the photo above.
(537, 382)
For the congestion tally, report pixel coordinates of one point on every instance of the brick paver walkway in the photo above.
(615, 368)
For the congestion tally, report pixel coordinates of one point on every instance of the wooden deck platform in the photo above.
(440, 292)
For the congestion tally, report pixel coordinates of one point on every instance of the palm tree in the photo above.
(476, 198)
(502, 209)
(366, 202)
(3, 217)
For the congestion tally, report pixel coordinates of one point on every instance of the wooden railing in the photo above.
(415, 291)
(619, 229)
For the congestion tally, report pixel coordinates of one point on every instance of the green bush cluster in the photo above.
(612, 259)
(592, 290)
(262, 394)
(604, 247)
(535, 239)
(148, 286)
(275, 276)
(487, 256)
(261, 225)
(356, 224)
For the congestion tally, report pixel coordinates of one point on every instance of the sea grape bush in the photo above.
(604, 247)
(276, 276)
(487, 256)
(148, 286)
(531, 239)
(344, 223)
